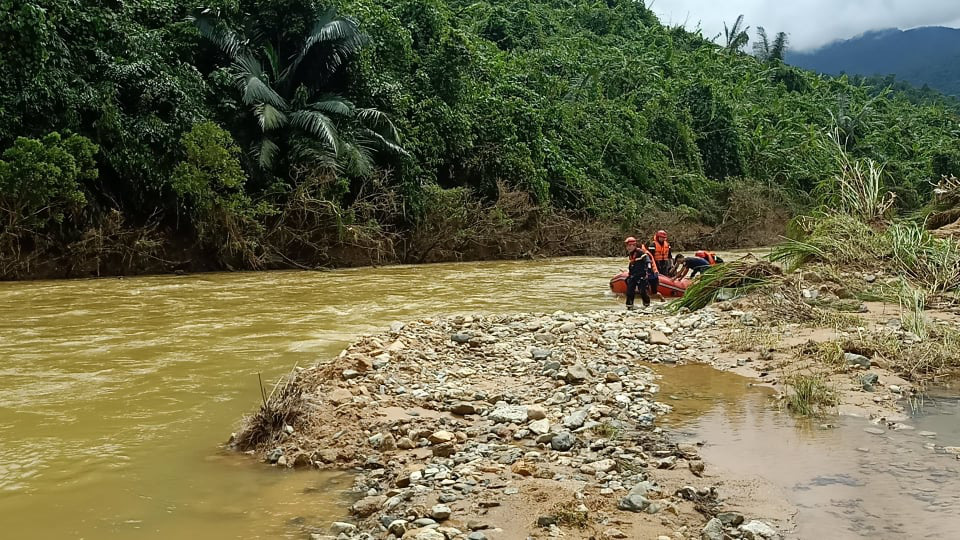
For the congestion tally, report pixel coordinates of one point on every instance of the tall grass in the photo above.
(857, 188)
(912, 304)
(810, 394)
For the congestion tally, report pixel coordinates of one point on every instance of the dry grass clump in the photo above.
(569, 514)
(753, 339)
(282, 407)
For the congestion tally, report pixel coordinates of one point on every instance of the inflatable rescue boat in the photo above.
(669, 287)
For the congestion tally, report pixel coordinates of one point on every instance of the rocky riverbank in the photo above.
(516, 426)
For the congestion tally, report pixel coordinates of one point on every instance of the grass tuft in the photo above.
(810, 394)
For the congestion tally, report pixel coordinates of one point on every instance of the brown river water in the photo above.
(117, 394)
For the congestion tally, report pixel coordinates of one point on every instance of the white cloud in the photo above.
(810, 23)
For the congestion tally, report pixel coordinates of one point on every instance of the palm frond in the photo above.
(340, 35)
(273, 61)
(317, 124)
(266, 153)
(761, 48)
(255, 86)
(269, 117)
(212, 28)
(331, 104)
(378, 122)
(356, 159)
(306, 150)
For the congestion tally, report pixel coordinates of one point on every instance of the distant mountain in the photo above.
(922, 56)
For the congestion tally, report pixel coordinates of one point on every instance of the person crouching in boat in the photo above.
(639, 271)
(709, 256)
(662, 254)
(694, 265)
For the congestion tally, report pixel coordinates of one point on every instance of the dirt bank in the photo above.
(514, 426)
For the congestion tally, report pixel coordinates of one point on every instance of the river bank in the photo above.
(512, 426)
(481, 413)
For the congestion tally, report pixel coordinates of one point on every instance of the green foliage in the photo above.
(810, 394)
(41, 179)
(210, 184)
(589, 110)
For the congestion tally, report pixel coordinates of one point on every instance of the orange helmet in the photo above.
(630, 240)
(661, 234)
(702, 254)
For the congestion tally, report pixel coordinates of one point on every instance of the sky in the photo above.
(809, 23)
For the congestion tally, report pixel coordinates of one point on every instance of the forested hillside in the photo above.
(158, 135)
(922, 56)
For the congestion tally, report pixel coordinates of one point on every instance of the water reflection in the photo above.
(847, 483)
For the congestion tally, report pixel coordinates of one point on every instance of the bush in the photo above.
(209, 184)
(40, 180)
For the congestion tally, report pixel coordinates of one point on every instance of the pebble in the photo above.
(440, 512)
(874, 431)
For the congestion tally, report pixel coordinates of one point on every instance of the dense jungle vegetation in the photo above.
(163, 134)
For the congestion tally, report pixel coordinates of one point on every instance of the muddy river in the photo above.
(116, 394)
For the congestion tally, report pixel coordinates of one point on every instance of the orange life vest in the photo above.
(661, 252)
(711, 258)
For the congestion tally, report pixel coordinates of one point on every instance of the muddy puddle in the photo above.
(845, 481)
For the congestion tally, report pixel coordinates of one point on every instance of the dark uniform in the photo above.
(640, 275)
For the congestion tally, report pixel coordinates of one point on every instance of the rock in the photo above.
(440, 512)
(576, 419)
(440, 437)
(274, 455)
(689, 451)
(642, 488)
(539, 427)
(523, 468)
(563, 441)
(758, 530)
(397, 527)
(668, 462)
(424, 522)
(540, 355)
(340, 527)
(713, 530)
(577, 373)
(856, 360)
(406, 444)
(508, 414)
(604, 465)
(546, 521)
(536, 412)
(476, 535)
(952, 449)
(634, 503)
(463, 408)
(367, 506)
(656, 337)
(870, 278)
(340, 395)
(460, 337)
(282, 462)
(350, 374)
(874, 431)
(614, 533)
(567, 327)
(929, 434)
(696, 467)
(444, 449)
(426, 534)
(730, 519)
(868, 380)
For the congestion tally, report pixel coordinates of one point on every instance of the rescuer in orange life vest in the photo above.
(640, 271)
(662, 254)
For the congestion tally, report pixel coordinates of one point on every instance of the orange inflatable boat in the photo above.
(669, 287)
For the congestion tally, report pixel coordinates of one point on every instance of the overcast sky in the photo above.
(810, 23)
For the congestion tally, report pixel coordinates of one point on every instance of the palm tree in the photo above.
(291, 108)
(770, 52)
(736, 35)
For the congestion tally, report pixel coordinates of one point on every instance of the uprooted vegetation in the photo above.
(849, 251)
